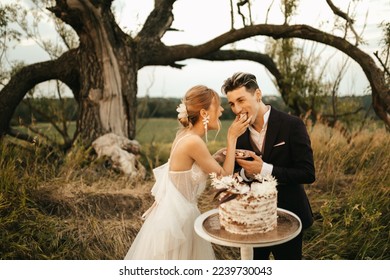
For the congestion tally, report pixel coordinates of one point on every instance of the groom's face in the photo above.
(242, 101)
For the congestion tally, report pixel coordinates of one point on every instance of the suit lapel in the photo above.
(274, 123)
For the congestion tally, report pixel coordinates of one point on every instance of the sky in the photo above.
(202, 20)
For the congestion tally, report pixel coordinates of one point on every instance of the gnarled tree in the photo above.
(102, 70)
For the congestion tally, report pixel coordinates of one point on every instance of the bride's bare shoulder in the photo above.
(189, 143)
(185, 151)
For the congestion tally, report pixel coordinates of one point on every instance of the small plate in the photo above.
(240, 153)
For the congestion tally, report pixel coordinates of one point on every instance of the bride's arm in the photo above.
(201, 155)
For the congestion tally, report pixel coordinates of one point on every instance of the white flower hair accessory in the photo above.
(182, 110)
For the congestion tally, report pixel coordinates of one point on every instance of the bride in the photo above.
(168, 231)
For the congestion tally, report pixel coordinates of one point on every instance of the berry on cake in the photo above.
(246, 207)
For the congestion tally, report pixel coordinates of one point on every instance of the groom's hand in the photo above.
(251, 167)
(219, 155)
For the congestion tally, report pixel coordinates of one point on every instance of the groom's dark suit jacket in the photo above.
(287, 146)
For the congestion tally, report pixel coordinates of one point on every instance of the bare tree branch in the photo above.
(344, 16)
(382, 63)
(338, 12)
(224, 55)
(268, 10)
(239, 5)
(31, 75)
(159, 20)
(22, 136)
(231, 14)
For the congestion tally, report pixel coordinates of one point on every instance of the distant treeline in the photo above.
(41, 109)
(166, 107)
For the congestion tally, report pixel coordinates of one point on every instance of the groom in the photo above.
(280, 146)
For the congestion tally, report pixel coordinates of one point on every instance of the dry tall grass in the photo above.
(350, 196)
(75, 207)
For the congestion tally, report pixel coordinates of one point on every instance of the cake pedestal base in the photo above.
(246, 253)
(207, 226)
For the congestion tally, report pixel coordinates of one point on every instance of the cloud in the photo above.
(27, 42)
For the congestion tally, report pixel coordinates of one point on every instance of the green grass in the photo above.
(157, 135)
(148, 132)
(164, 131)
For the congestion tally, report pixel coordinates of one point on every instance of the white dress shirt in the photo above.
(258, 139)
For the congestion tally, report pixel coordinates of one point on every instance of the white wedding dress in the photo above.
(168, 231)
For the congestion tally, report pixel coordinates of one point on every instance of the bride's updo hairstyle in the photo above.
(197, 98)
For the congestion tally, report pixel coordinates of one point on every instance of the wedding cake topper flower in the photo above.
(182, 110)
(229, 187)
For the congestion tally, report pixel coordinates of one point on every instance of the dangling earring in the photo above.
(205, 122)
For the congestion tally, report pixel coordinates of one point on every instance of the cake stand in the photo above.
(208, 227)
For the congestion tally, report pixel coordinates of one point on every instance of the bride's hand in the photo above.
(238, 126)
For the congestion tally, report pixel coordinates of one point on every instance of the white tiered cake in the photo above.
(246, 208)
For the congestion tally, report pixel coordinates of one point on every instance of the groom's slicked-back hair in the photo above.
(240, 79)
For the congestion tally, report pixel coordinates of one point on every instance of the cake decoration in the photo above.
(246, 207)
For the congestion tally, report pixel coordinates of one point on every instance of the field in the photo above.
(75, 206)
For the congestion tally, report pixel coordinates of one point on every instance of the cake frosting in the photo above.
(246, 208)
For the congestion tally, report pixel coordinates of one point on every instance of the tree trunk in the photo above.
(107, 104)
(108, 75)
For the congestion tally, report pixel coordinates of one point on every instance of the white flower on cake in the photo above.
(231, 184)
(234, 184)
(264, 185)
